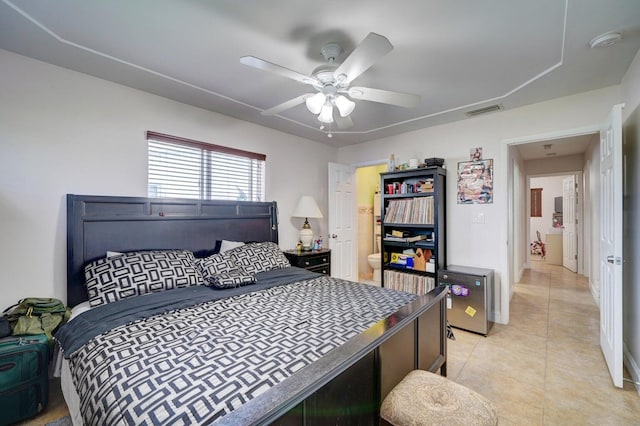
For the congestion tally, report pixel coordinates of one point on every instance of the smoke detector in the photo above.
(605, 40)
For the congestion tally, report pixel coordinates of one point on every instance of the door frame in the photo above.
(511, 194)
(579, 215)
(356, 166)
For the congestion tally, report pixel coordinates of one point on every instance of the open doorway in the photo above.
(368, 220)
(572, 152)
(555, 220)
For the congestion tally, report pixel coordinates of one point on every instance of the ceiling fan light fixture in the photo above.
(345, 106)
(333, 80)
(326, 114)
(315, 102)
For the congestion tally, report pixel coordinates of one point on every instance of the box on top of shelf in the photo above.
(434, 161)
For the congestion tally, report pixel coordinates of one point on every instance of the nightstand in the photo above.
(315, 260)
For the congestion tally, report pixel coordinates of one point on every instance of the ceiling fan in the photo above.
(332, 82)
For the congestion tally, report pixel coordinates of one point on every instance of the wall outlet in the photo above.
(477, 218)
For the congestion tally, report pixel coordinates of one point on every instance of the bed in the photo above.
(292, 347)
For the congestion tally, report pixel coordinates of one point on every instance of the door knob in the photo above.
(334, 235)
(614, 260)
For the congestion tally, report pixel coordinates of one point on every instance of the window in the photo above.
(536, 202)
(183, 168)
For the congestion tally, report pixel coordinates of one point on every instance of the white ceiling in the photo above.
(457, 55)
(561, 147)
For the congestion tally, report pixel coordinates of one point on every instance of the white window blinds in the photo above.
(182, 168)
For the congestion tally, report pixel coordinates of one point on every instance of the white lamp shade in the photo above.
(345, 106)
(307, 207)
(326, 114)
(315, 102)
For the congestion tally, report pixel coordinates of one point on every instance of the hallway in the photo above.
(546, 366)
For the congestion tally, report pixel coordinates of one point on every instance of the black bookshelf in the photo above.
(413, 204)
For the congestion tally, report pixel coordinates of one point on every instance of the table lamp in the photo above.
(307, 208)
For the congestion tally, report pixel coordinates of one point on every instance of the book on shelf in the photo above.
(418, 210)
(410, 283)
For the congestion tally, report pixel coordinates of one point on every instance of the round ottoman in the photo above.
(424, 398)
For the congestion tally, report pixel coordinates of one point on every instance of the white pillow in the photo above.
(228, 245)
(80, 308)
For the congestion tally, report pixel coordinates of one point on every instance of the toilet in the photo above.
(374, 259)
(375, 263)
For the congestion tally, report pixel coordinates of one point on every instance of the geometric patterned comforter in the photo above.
(194, 365)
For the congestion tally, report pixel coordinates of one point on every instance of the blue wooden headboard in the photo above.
(97, 224)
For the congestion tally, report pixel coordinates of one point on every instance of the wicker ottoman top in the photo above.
(424, 398)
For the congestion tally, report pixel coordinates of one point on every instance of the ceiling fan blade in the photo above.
(372, 48)
(342, 122)
(261, 64)
(406, 100)
(286, 105)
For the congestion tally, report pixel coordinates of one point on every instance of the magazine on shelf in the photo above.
(408, 239)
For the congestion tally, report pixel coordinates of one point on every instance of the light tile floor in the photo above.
(545, 367)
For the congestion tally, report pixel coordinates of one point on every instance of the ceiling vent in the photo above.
(484, 110)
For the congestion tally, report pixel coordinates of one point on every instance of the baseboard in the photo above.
(521, 272)
(633, 367)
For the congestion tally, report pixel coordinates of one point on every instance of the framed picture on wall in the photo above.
(475, 182)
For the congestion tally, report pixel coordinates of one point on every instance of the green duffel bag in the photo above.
(37, 315)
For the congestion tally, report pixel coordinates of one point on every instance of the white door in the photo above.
(611, 243)
(342, 221)
(569, 223)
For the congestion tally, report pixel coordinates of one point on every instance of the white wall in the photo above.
(65, 132)
(631, 271)
(555, 165)
(485, 245)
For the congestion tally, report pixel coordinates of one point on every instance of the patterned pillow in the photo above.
(216, 264)
(230, 279)
(132, 274)
(259, 257)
